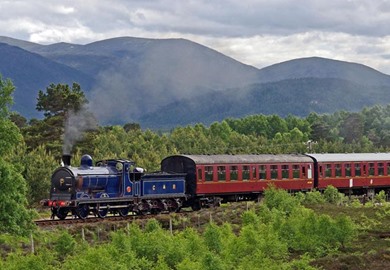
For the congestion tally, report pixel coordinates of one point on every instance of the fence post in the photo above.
(32, 243)
(170, 225)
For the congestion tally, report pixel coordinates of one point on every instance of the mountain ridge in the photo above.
(128, 79)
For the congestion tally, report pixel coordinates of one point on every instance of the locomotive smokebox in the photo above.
(66, 159)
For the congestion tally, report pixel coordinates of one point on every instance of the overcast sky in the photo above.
(258, 33)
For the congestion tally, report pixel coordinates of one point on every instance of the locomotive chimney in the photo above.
(66, 159)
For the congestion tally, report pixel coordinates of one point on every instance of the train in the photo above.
(118, 186)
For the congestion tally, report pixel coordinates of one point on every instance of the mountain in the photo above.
(316, 67)
(31, 72)
(298, 97)
(133, 76)
(165, 82)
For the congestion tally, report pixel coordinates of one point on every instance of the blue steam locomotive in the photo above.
(114, 186)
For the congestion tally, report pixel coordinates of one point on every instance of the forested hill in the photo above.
(167, 82)
(294, 96)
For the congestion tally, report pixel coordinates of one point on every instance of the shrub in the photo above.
(280, 199)
(332, 195)
(314, 197)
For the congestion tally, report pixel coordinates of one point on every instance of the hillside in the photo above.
(30, 73)
(166, 82)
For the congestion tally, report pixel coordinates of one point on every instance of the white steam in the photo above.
(76, 124)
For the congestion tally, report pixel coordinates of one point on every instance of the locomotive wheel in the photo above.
(196, 206)
(102, 213)
(123, 211)
(82, 211)
(62, 213)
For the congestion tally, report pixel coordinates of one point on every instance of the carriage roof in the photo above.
(244, 159)
(353, 157)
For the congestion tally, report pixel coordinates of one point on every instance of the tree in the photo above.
(60, 99)
(39, 166)
(14, 218)
(57, 104)
(352, 128)
(19, 120)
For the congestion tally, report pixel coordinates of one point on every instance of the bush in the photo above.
(380, 197)
(280, 199)
(313, 197)
(332, 195)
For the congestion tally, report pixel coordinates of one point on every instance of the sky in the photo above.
(258, 33)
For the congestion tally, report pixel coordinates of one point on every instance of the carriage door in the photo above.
(309, 171)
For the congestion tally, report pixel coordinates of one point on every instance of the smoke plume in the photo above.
(76, 124)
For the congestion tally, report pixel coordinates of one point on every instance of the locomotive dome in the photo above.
(86, 161)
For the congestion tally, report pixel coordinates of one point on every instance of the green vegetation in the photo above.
(283, 232)
(15, 218)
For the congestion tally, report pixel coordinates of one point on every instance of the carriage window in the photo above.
(358, 170)
(337, 170)
(262, 172)
(221, 173)
(381, 170)
(328, 170)
(245, 172)
(254, 172)
(200, 176)
(295, 169)
(285, 171)
(371, 168)
(233, 173)
(209, 173)
(347, 168)
(274, 171)
(388, 168)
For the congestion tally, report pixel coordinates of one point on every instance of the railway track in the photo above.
(89, 220)
(92, 219)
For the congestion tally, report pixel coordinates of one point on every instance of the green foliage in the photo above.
(279, 199)
(332, 195)
(40, 261)
(6, 90)
(39, 166)
(59, 99)
(380, 197)
(213, 238)
(315, 234)
(313, 197)
(10, 136)
(64, 245)
(56, 103)
(14, 218)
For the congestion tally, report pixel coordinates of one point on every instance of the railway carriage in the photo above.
(360, 173)
(240, 177)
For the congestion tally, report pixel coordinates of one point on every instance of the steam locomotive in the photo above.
(117, 186)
